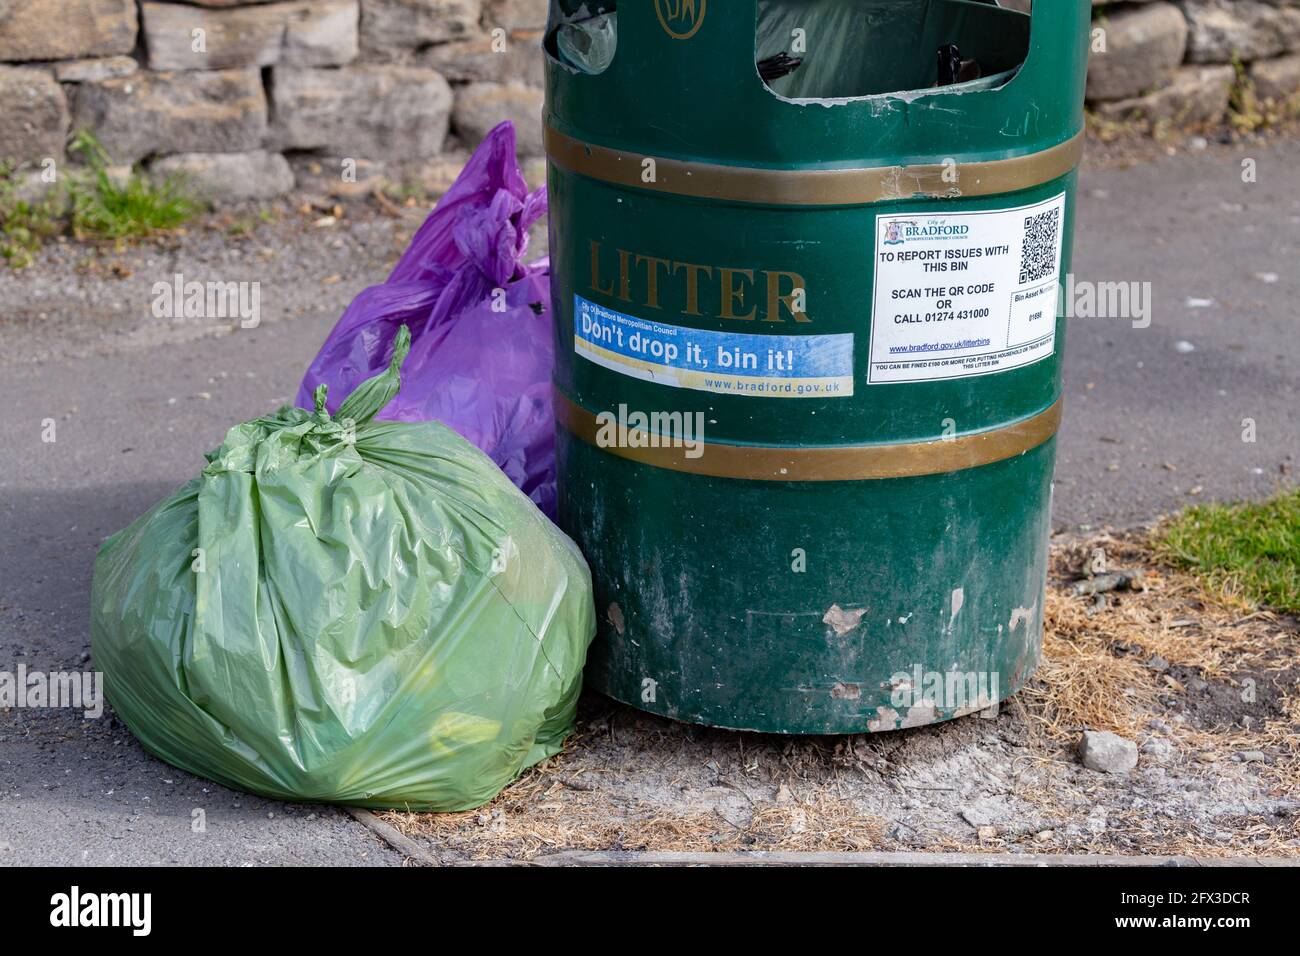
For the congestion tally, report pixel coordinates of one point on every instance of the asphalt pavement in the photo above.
(1155, 418)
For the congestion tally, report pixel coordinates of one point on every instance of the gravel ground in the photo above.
(310, 254)
(1217, 770)
(80, 300)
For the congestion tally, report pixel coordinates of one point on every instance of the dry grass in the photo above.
(551, 808)
(1095, 671)
(1081, 681)
(641, 786)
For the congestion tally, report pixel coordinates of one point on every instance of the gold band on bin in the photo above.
(815, 187)
(830, 462)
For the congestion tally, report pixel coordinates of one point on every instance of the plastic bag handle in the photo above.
(371, 397)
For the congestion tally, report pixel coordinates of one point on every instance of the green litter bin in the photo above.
(808, 364)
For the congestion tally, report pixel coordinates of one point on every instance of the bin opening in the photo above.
(583, 34)
(840, 49)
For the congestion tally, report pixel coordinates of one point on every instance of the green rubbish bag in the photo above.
(344, 610)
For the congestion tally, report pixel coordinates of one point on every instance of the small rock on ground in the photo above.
(1106, 752)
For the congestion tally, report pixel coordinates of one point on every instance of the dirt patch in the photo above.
(1120, 144)
(1246, 700)
(1207, 692)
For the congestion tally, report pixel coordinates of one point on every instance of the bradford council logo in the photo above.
(894, 232)
(681, 18)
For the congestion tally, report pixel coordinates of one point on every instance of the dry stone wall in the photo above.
(1176, 61)
(223, 89)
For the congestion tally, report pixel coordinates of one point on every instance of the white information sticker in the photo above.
(965, 294)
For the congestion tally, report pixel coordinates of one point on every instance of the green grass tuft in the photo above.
(24, 224)
(105, 208)
(90, 202)
(1250, 550)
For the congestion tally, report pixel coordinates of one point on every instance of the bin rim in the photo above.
(985, 84)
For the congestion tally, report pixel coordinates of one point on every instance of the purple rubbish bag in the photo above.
(480, 324)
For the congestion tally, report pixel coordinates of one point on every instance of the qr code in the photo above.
(1038, 261)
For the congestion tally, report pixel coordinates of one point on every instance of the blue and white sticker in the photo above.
(733, 363)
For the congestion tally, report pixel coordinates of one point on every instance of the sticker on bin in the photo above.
(739, 363)
(965, 294)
